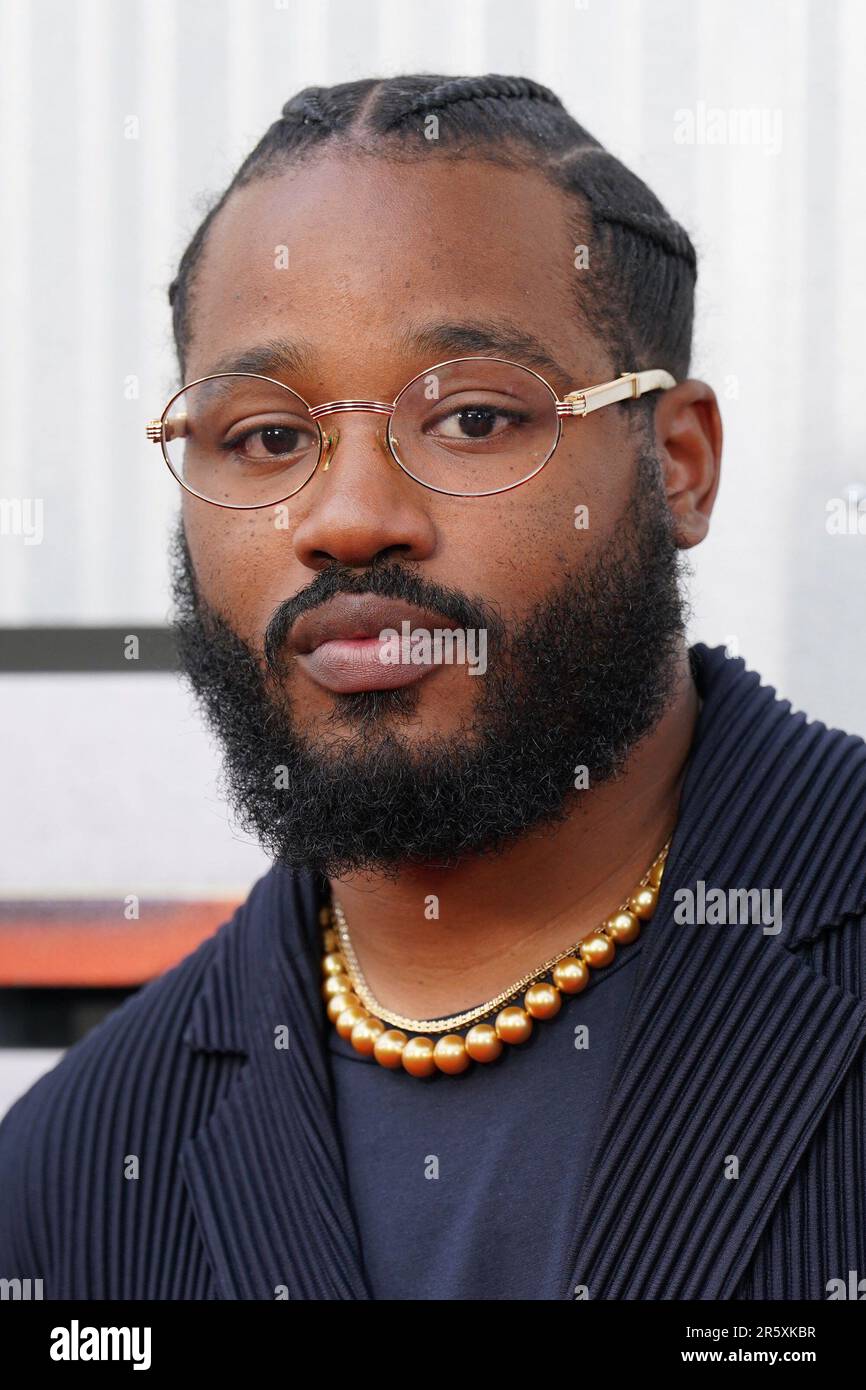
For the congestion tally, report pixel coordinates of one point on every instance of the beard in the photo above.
(573, 686)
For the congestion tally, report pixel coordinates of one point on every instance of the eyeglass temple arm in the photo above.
(628, 384)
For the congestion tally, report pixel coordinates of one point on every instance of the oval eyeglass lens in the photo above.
(473, 426)
(240, 441)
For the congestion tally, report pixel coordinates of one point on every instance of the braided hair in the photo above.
(639, 292)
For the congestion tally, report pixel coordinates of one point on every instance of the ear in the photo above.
(688, 429)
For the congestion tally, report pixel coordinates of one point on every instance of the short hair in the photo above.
(638, 291)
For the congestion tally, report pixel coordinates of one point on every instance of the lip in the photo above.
(339, 646)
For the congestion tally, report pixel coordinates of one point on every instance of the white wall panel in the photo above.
(111, 787)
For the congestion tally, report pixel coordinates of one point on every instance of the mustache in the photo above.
(386, 579)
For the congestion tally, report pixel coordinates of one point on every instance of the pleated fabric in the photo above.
(187, 1148)
(818, 1231)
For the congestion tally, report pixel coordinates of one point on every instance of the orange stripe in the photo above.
(85, 945)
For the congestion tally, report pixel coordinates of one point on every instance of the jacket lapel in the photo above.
(265, 1173)
(733, 1047)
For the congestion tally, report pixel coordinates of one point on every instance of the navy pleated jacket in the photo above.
(176, 1153)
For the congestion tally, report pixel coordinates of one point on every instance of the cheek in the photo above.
(556, 523)
(512, 550)
(588, 492)
(243, 564)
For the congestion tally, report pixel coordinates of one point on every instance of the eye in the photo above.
(270, 442)
(476, 422)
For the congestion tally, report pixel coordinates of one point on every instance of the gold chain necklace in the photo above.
(357, 1015)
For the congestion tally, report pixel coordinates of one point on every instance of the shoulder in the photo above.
(773, 810)
(780, 792)
(62, 1137)
(137, 1085)
(154, 1017)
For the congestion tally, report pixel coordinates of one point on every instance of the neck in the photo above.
(435, 941)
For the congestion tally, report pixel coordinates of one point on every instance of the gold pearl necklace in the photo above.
(357, 1015)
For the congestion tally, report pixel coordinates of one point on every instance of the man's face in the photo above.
(376, 252)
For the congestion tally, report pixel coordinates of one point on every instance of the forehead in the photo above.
(343, 253)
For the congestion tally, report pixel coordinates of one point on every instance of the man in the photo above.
(555, 988)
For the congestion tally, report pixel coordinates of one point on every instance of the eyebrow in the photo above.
(493, 337)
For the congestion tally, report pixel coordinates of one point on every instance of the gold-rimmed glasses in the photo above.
(468, 427)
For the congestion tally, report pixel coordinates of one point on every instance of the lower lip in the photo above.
(348, 666)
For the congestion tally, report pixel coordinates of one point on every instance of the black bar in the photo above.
(227, 1340)
(44, 1016)
(87, 649)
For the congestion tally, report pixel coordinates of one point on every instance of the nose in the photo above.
(331, 438)
(360, 505)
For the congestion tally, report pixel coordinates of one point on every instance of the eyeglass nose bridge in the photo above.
(331, 438)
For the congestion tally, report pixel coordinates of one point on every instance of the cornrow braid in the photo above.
(671, 237)
(638, 292)
(492, 88)
(307, 110)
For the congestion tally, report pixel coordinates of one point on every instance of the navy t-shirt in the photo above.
(468, 1187)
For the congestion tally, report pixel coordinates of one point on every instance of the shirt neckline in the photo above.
(342, 1047)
